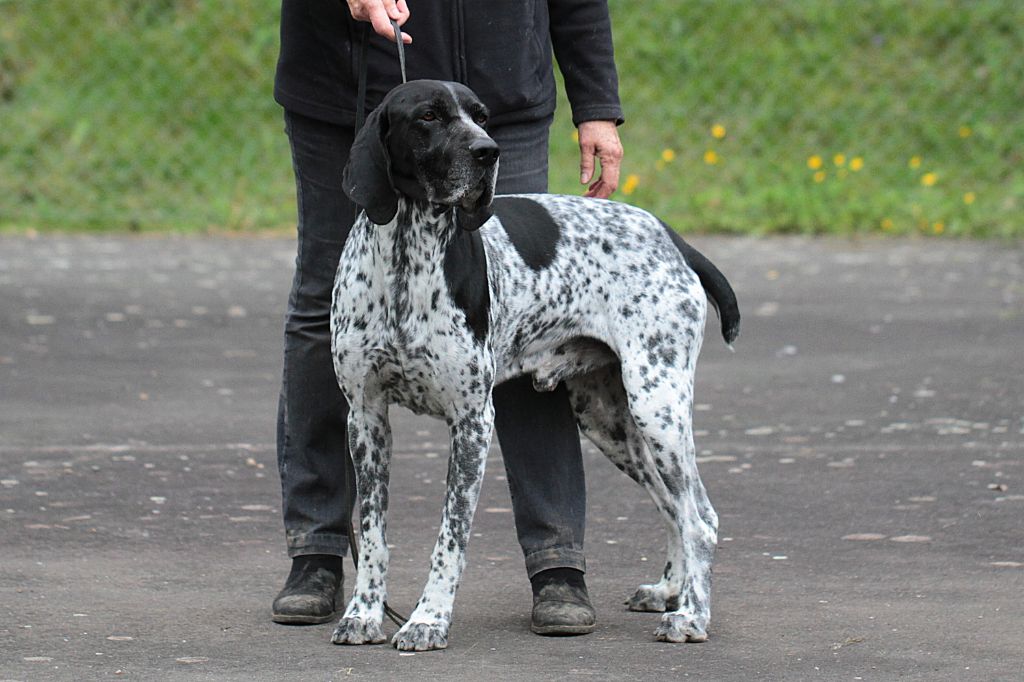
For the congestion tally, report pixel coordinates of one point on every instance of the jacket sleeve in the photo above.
(581, 34)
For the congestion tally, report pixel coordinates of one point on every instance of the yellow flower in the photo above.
(814, 163)
(820, 176)
(965, 131)
(839, 159)
(710, 157)
(938, 228)
(856, 163)
(915, 162)
(718, 131)
(575, 136)
(969, 198)
(929, 179)
(886, 223)
(668, 155)
(629, 186)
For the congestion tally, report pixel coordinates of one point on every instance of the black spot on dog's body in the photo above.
(530, 228)
(465, 273)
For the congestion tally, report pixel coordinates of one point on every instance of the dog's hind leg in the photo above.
(370, 446)
(660, 400)
(431, 619)
(602, 410)
(602, 413)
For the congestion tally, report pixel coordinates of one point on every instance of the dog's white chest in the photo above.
(416, 377)
(397, 336)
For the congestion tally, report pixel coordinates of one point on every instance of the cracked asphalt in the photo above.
(864, 447)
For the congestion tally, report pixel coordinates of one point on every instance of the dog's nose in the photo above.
(484, 151)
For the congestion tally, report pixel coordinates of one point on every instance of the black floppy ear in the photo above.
(473, 221)
(367, 176)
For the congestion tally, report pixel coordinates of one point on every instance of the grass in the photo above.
(151, 114)
(812, 116)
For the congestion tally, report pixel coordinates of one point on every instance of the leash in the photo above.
(396, 618)
(401, 49)
(361, 88)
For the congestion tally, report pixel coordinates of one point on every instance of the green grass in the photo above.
(153, 114)
(141, 114)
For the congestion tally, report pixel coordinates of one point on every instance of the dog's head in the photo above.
(427, 140)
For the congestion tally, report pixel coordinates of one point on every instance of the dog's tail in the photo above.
(718, 289)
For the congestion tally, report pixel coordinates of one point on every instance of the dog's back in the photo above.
(571, 266)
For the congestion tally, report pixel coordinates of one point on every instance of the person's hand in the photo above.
(600, 139)
(380, 13)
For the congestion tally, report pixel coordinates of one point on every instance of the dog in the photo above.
(444, 291)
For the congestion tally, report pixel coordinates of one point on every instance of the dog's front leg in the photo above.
(429, 623)
(369, 435)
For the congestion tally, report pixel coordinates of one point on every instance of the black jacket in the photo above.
(499, 48)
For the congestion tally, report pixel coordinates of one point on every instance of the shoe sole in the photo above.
(562, 630)
(287, 619)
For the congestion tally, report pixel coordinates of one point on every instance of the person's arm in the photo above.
(582, 38)
(380, 13)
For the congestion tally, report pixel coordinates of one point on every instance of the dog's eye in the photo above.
(480, 118)
(429, 116)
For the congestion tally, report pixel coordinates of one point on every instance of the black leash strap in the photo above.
(401, 48)
(364, 38)
(396, 618)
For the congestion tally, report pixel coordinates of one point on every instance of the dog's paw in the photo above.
(678, 627)
(358, 631)
(421, 636)
(651, 598)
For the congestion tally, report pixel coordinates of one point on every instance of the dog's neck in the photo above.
(419, 233)
(406, 256)
(420, 253)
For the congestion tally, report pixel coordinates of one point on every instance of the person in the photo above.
(503, 51)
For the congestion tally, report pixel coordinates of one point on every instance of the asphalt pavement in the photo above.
(864, 447)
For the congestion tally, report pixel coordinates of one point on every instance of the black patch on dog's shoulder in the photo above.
(531, 229)
(465, 273)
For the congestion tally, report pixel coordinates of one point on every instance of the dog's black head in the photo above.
(426, 140)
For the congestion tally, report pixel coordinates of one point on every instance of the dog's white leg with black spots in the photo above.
(662, 414)
(369, 436)
(689, 621)
(684, 590)
(430, 621)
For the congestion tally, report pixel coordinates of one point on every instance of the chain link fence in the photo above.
(896, 116)
(141, 114)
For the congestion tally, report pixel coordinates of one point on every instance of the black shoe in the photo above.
(561, 605)
(313, 591)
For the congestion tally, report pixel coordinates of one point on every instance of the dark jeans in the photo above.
(537, 431)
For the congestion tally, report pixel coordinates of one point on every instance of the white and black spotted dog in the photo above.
(444, 291)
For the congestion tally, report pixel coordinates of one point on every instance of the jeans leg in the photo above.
(317, 482)
(539, 440)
